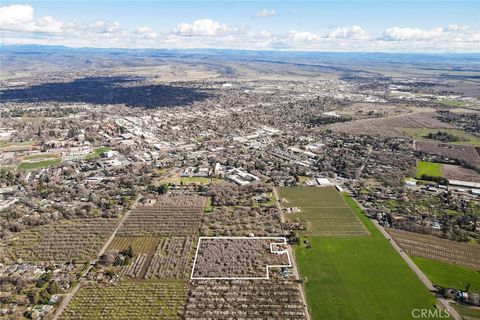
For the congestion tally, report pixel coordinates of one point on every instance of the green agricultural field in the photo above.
(449, 275)
(355, 277)
(324, 209)
(462, 136)
(38, 164)
(428, 168)
(149, 299)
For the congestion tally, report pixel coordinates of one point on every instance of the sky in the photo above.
(363, 26)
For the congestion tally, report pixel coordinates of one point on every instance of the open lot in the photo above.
(467, 155)
(454, 172)
(324, 210)
(392, 125)
(462, 137)
(358, 277)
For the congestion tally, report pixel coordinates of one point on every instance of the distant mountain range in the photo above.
(22, 60)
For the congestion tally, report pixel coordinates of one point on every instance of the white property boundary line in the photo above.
(284, 242)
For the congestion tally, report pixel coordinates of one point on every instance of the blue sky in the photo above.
(420, 26)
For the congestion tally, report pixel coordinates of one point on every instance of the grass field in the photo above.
(134, 300)
(467, 313)
(448, 275)
(428, 168)
(96, 153)
(325, 210)
(462, 136)
(269, 203)
(40, 156)
(452, 103)
(356, 277)
(38, 164)
(17, 145)
(186, 180)
(208, 205)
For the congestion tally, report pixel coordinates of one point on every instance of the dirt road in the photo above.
(295, 272)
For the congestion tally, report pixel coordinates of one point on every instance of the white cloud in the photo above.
(303, 36)
(354, 32)
(15, 15)
(21, 18)
(407, 34)
(19, 25)
(146, 32)
(113, 27)
(97, 25)
(264, 34)
(456, 27)
(265, 13)
(48, 24)
(100, 26)
(455, 36)
(202, 27)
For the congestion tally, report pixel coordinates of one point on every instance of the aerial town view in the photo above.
(246, 160)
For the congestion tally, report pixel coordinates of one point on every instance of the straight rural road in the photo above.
(290, 252)
(82, 279)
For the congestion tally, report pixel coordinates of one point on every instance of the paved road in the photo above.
(290, 252)
(82, 279)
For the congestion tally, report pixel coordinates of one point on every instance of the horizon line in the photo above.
(238, 49)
